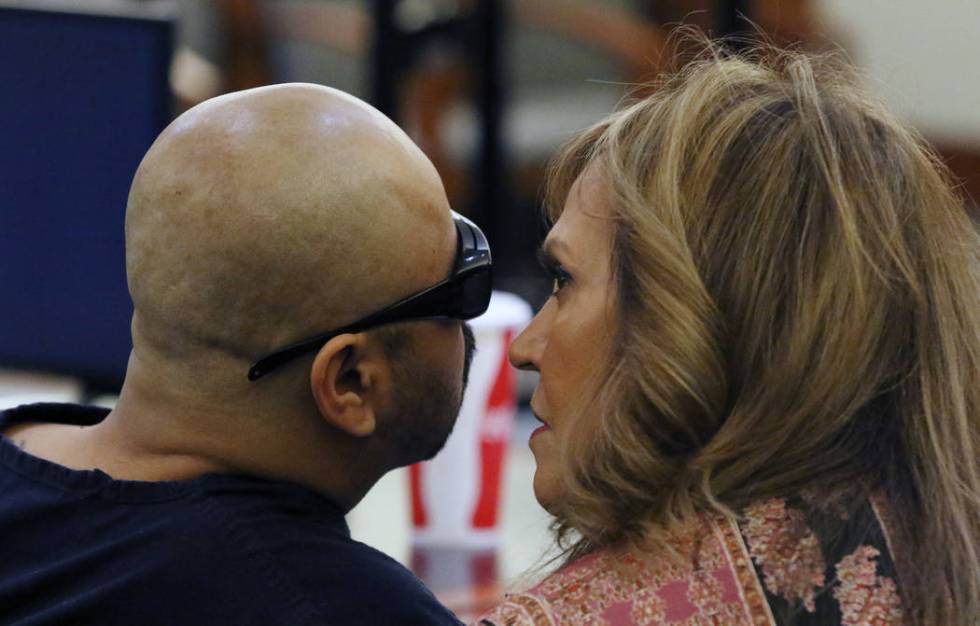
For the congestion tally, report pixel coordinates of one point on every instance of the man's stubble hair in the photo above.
(424, 407)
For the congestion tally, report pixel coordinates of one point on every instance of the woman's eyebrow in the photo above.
(544, 256)
(547, 256)
(547, 262)
(552, 249)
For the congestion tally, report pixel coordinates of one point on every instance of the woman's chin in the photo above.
(546, 489)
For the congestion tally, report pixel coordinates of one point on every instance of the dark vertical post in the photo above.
(731, 20)
(384, 55)
(490, 98)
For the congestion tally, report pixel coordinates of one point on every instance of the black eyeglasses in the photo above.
(464, 295)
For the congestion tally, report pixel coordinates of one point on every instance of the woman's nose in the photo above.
(525, 350)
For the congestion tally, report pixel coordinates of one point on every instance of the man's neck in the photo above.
(179, 439)
(105, 447)
(111, 447)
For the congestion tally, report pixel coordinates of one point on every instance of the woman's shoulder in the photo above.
(697, 583)
(783, 558)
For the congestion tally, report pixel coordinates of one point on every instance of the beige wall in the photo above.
(923, 57)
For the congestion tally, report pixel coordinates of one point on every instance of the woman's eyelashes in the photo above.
(560, 277)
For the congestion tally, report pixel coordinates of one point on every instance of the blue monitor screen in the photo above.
(82, 97)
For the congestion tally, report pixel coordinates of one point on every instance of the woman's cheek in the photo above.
(547, 482)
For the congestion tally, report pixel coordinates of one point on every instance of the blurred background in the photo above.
(489, 89)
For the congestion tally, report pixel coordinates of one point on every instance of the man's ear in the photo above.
(350, 378)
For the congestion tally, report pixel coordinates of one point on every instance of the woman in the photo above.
(760, 366)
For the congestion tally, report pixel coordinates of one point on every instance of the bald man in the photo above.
(299, 282)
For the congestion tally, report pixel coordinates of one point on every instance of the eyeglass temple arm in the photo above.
(465, 238)
(396, 312)
(271, 361)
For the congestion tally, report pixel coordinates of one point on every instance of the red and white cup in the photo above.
(456, 496)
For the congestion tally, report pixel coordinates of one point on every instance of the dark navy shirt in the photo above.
(78, 547)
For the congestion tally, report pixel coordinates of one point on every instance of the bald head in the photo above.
(263, 216)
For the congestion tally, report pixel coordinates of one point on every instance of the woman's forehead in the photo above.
(583, 230)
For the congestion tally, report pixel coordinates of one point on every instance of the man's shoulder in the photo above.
(364, 582)
(351, 582)
(308, 557)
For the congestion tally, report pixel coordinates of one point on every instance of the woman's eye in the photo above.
(560, 278)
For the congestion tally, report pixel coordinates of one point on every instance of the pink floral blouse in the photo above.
(770, 568)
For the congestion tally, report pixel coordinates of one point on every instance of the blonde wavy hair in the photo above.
(798, 303)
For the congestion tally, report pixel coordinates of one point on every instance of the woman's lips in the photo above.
(540, 429)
